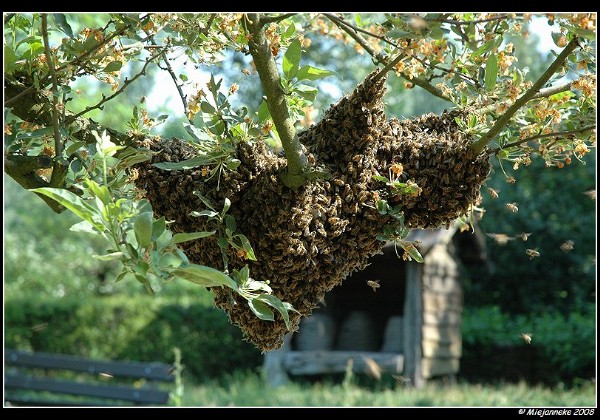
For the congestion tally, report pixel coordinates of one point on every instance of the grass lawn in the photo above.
(249, 390)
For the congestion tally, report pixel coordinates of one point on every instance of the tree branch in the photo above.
(265, 20)
(467, 22)
(480, 144)
(541, 136)
(353, 32)
(276, 102)
(57, 170)
(105, 99)
(43, 82)
(169, 69)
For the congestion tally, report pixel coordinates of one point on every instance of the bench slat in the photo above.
(152, 371)
(117, 392)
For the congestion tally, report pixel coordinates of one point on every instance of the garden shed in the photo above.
(395, 316)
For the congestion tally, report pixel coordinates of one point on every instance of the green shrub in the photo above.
(141, 328)
(562, 349)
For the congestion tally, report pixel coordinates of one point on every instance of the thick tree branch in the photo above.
(542, 136)
(480, 144)
(276, 102)
(58, 170)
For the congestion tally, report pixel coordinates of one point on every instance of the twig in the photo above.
(209, 24)
(552, 90)
(43, 82)
(541, 136)
(118, 92)
(276, 101)
(467, 22)
(352, 31)
(265, 20)
(174, 77)
(521, 101)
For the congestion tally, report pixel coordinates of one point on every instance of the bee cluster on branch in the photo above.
(308, 240)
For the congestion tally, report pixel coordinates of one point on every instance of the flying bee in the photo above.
(493, 193)
(106, 375)
(525, 236)
(500, 238)
(526, 337)
(567, 246)
(374, 284)
(401, 379)
(532, 253)
(512, 207)
(591, 194)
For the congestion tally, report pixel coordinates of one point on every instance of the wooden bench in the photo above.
(46, 379)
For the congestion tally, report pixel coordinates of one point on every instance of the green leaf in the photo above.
(412, 250)
(197, 133)
(85, 227)
(281, 307)
(143, 229)
(100, 191)
(207, 108)
(113, 66)
(380, 178)
(291, 30)
(291, 59)
(491, 72)
(204, 276)
(230, 223)
(247, 247)
(261, 310)
(312, 73)
(61, 21)
(207, 213)
(263, 112)
(158, 227)
(226, 205)
(307, 92)
(184, 164)
(142, 279)
(488, 46)
(109, 257)
(182, 237)
(73, 203)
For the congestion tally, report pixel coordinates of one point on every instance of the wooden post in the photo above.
(274, 372)
(413, 322)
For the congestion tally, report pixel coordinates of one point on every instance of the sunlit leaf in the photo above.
(261, 310)
(291, 59)
(183, 237)
(312, 73)
(143, 229)
(109, 257)
(73, 203)
(204, 276)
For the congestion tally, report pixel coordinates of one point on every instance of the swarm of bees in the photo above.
(308, 240)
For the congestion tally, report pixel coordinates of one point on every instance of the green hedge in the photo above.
(141, 328)
(562, 349)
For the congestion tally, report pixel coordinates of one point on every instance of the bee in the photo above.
(106, 375)
(374, 284)
(532, 253)
(39, 327)
(567, 246)
(526, 337)
(512, 207)
(372, 368)
(401, 379)
(493, 193)
(500, 238)
(591, 194)
(525, 236)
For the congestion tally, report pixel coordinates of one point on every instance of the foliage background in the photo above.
(59, 299)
